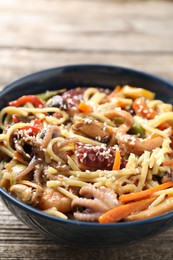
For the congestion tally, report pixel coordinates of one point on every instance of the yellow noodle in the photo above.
(96, 98)
(11, 111)
(57, 121)
(145, 125)
(53, 183)
(157, 201)
(166, 192)
(10, 132)
(154, 103)
(73, 182)
(54, 212)
(89, 93)
(144, 170)
(50, 151)
(84, 139)
(66, 193)
(72, 164)
(158, 120)
(6, 151)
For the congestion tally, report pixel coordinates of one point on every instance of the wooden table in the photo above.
(36, 35)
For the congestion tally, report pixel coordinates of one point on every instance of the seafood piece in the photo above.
(27, 192)
(52, 198)
(91, 157)
(28, 169)
(93, 202)
(127, 118)
(71, 99)
(131, 143)
(19, 148)
(58, 147)
(49, 133)
(92, 129)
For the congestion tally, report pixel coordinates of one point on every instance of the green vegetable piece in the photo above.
(118, 121)
(48, 94)
(137, 130)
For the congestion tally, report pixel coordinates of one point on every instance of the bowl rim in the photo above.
(85, 66)
(35, 211)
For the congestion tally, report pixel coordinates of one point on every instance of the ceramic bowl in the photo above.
(75, 232)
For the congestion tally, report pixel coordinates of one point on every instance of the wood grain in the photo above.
(48, 33)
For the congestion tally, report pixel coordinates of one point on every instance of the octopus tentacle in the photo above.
(103, 194)
(86, 217)
(93, 203)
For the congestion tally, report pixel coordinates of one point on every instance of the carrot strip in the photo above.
(141, 108)
(120, 104)
(83, 107)
(117, 161)
(145, 193)
(122, 211)
(111, 131)
(168, 163)
(164, 126)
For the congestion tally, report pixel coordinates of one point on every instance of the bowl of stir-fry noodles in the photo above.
(86, 153)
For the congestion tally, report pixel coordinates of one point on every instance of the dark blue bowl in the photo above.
(75, 232)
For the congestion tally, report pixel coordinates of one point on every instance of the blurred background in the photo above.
(36, 35)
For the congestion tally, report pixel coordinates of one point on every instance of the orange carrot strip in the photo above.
(83, 107)
(117, 161)
(145, 193)
(122, 211)
(113, 93)
(111, 131)
(121, 104)
(141, 108)
(164, 125)
(117, 89)
(168, 163)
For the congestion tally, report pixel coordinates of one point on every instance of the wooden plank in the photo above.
(104, 26)
(27, 244)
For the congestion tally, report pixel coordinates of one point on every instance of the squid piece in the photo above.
(131, 143)
(50, 132)
(92, 129)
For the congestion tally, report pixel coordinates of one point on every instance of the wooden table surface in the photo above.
(36, 35)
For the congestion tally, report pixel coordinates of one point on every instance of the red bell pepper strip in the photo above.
(34, 128)
(15, 119)
(24, 99)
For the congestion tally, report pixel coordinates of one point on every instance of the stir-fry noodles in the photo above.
(89, 154)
